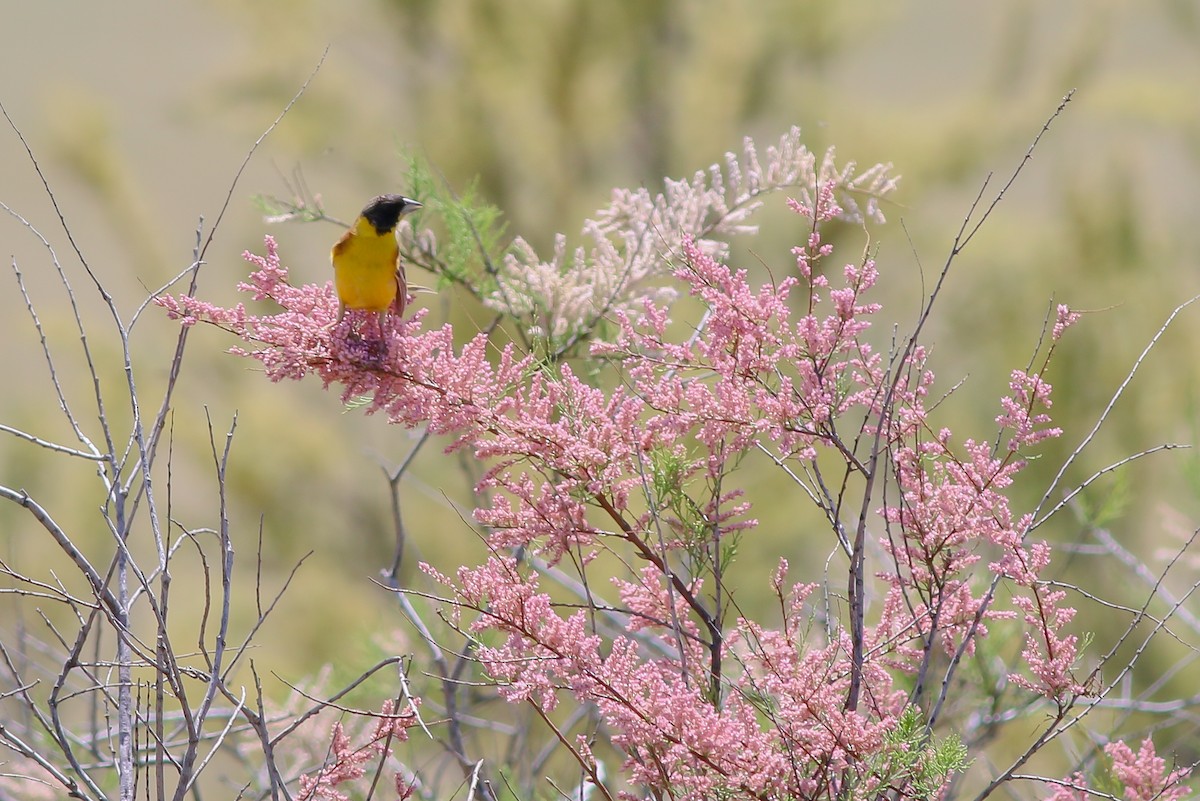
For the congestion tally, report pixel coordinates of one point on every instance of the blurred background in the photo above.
(140, 117)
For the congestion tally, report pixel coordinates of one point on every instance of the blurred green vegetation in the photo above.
(550, 105)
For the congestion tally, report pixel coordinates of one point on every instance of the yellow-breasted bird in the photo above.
(367, 272)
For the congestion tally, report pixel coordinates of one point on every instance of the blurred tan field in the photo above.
(140, 118)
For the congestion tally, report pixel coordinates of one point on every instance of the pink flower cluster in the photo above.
(347, 763)
(624, 260)
(1143, 775)
(952, 508)
(781, 729)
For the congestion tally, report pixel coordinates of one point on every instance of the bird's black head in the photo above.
(385, 211)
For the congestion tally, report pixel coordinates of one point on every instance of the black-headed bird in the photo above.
(367, 272)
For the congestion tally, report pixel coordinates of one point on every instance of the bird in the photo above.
(367, 272)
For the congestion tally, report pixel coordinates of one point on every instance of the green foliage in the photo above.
(668, 470)
(916, 761)
(668, 482)
(474, 231)
(356, 403)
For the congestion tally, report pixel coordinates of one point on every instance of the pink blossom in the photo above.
(1063, 320)
(1028, 393)
(1074, 789)
(1049, 656)
(346, 763)
(624, 259)
(1144, 773)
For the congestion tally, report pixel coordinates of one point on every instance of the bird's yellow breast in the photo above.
(364, 268)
